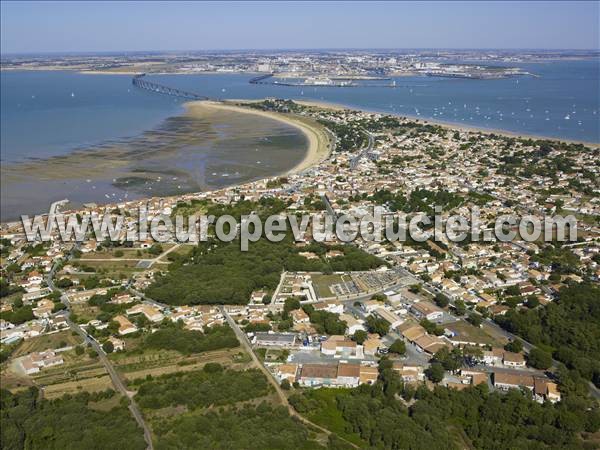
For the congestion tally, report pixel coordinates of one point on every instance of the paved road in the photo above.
(114, 376)
(284, 400)
(144, 263)
(116, 380)
(241, 336)
(371, 141)
(527, 346)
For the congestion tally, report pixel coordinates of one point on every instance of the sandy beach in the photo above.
(445, 124)
(318, 140)
(146, 166)
(209, 146)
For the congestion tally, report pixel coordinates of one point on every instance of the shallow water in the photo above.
(61, 129)
(186, 153)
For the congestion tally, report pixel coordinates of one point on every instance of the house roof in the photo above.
(372, 343)
(319, 371)
(513, 379)
(299, 314)
(426, 308)
(387, 315)
(348, 370)
(276, 337)
(514, 357)
(413, 333)
(288, 369)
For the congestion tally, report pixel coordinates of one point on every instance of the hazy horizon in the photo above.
(314, 49)
(82, 27)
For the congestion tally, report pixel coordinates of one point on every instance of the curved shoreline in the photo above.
(446, 124)
(86, 165)
(318, 143)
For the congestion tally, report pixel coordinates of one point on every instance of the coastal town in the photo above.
(299, 225)
(350, 67)
(88, 316)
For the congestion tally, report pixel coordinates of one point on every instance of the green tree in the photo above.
(450, 360)
(513, 290)
(532, 302)
(435, 372)
(155, 250)
(108, 347)
(398, 347)
(377, 325)
(475, 319)
(460, 307)
(64, 283)
(441, 300)
(515, 346)
(379, 297)
(431, 327)
(539, 359)
(360, 336)
(290, 304)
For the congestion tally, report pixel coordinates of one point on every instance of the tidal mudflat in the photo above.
(205, 148)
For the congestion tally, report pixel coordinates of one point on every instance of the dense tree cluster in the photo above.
(212, 385)
(65, 423)
(18, 315)
(447, 418)
(377, 325)
(324, 321)
(172, 336)
(419, 200)
(567, 328)
(249, 427)
(7, 289)
(349, 137)
(220, 273)
(562, 260)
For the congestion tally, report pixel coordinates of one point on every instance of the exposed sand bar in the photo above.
(318, 141)
(210, 146)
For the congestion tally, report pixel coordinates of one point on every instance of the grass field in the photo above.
(47, 341)
(321, 284)
(155, 363)
(121, 269)
(85, 312)
(469, 332)
(96, 384)
(106, 404)
(109, 264)
(128, 253)
(182, 250)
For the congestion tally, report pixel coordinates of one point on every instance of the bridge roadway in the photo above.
(142, 83)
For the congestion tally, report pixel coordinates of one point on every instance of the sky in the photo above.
(39, 27)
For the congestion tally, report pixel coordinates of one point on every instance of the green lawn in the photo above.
(469, 332)
(322, 283)
(48, 341)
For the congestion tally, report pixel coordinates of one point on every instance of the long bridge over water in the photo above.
(141, 82)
